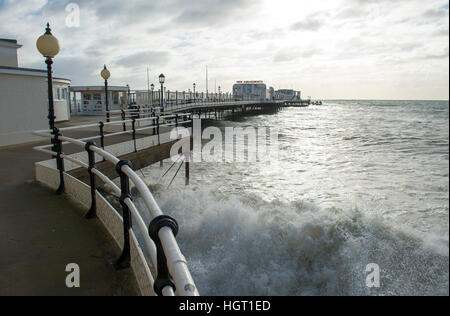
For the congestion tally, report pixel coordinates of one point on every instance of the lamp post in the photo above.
(162, 79)
(152, 88)
(220, 94)
(128, 95)
(106, 75)
(48, 46)
(194, 85)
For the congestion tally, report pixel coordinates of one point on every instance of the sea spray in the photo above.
(246, 246)
(358, 184)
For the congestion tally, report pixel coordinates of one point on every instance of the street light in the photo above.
(152, 88)
(219, 94)
(162, 79)
(128, 95)
(106, 75)
(48, 46)
(194, 85)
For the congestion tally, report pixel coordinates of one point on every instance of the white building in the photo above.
(91, 100)
(24, 97)
(250, 91)
(288, 95)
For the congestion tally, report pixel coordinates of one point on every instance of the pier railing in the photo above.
(146, 111)
(172, 274)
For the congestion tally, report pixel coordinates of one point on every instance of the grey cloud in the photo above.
(156, 58)
(81, 69)
(408, 47)
(197, 13)
(125, 12)
(441, 32)
(439, 55)
(287, 55)
(435, 13)
(311, 23)
(351, 13)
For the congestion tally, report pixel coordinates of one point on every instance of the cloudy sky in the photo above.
(371, 49)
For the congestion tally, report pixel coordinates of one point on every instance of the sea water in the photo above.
(356, 183)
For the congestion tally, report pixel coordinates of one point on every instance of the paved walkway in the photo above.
(40, 233)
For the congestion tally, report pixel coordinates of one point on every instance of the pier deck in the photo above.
(41, 233)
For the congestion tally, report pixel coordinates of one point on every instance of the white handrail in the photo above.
(176, 262)
(132, 207)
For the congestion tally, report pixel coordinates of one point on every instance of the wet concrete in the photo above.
(40, 233)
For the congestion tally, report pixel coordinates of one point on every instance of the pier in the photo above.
(78, 207)
(140, 136)
(88, 156)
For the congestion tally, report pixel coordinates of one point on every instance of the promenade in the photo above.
(40, 233)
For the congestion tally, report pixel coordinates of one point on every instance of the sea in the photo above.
(359, 187)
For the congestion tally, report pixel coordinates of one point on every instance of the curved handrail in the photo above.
(176, 262)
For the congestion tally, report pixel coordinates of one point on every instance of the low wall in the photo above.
(47, 174)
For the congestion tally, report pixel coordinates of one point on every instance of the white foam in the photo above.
(245, 246)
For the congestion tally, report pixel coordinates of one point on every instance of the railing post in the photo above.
(163, 278)
(59, 161)
(133, 124)
(123, 119)
(102, 134)
(125, 259)
(92, 213)
(157, 130)
(176, 120)
(153, 122)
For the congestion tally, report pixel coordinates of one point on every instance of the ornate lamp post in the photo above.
(128, 95)
(106, 75)
(162, 79)
(48, 46)
(152, 88)
(194, 85)
(220, 93)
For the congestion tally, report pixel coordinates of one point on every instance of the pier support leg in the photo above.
(188, 175)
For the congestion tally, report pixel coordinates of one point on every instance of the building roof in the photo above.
(27, 71)
(97, 88)
(11, 43)
(8, 40)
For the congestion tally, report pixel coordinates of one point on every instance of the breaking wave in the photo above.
(242, 245)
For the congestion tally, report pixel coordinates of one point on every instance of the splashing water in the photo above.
(358, 182)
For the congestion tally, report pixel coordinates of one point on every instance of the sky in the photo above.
(328, 49)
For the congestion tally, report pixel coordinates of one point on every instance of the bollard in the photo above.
(125, 259)
(92, 213)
